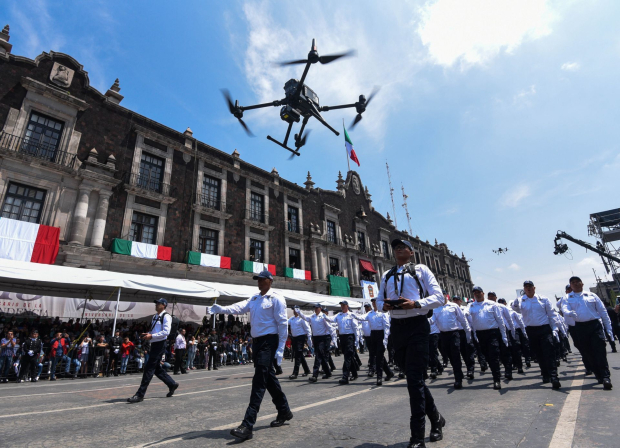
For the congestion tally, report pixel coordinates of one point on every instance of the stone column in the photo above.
(96, 239)
(350, 269)
(323, 262)
(319, 255)
(78, 231)
(315, 264)
(356, 269)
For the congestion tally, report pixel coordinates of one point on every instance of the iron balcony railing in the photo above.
(292, 226)
(257, 215)
(149, 183)
(210, 202)
(334, 240)
(37, 149)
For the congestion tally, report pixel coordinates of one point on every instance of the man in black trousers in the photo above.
(160, 329)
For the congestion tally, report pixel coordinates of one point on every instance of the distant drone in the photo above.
(301, 101)
(500, 251)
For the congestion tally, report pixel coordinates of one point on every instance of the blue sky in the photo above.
(499, 118)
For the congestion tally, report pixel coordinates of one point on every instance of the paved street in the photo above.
(525, 413)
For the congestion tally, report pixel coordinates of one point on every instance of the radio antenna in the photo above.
(391, 194)
(406, 209)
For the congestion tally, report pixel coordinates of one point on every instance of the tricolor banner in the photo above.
(27, 241)
(256, 268)
(212, 261)
(141, 250)
(348, 144)
(297, 273)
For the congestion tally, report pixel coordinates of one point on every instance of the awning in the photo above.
(367, 266)
(62, 281)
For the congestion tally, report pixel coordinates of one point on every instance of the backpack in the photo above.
(174, 326)
(408, 268)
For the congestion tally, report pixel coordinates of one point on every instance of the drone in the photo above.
(301, 102)
(500, 251)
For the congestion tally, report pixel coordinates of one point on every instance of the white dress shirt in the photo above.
(160, 331)
(180, 342)
(586, 306)
(411, 291)
(517, 322)
(376, 321)
(451, 318)
(320, 326)
(299, 326)
(434, 327)
(507, 319)
(267, 315)
(535, 311)
(569, 320)
(486, 315)
(347, 323)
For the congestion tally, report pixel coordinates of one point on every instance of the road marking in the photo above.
(565, 430)
(111, 404)
(108, 388)
(264, 417)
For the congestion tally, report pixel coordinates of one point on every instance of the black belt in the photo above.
(409, 320)
(264, 337)
(376, 331)
(586, 323)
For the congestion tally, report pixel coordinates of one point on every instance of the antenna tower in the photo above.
(406, 209)
(391, 194)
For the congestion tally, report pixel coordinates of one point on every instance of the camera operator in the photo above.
(31, 350)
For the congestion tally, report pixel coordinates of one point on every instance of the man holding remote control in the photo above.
(409, 292)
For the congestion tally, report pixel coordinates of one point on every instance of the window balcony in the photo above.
(151, 184)
(37, 149)
(207, 202)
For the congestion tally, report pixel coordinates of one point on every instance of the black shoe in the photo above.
(413, 444)
(305, 374)
(215, 368)
(292, 377)
(172, 389)
(483, 369)
(528, 364)
(371, 374)
(312, 379)
(389, 376)
(401, 375)
(546, 380)
(353, 378)
(508, 377)
(556, 384)
(607, 384)
(280, 419)
(242, 433)
(52, 379)
(433, 376)
(497, 385)
(326, 377)
(343, 381)
(557, 363)
(520, 371)
(470, 375)
(436, 429)
(588, 372)
(379, 382)
(135, 399)
(614, 351)
(417, 440)
(458, 385)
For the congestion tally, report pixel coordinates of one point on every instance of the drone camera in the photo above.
(289, 114)
(560, 249)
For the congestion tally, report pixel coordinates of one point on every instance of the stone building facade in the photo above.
(75, 158)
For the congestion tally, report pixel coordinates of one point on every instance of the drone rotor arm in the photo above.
(303, 78)
(343, 106)
(323, 122)
(259, 106)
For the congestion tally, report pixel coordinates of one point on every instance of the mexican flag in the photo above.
(27, 241)
(348, 144)
(297, 273)
(212, 261)
(257, 268)
(141, 250)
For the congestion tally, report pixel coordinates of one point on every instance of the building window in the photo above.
(151, 173)
(331, 231)
(437, 265)
(293, 219)
(23, 203)
(207, 241)
(42, 137)
(448, 269)
(257, 207)
(361, 241)
(143, 228)
(294, 258)
(210, 197)
(334, 266)
(257, 250)
(428, 261)
(417, 258)
(386, 250)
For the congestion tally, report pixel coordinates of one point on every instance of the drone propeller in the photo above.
(236, 111)
(299, 142)
(363, 105)
(322, 59)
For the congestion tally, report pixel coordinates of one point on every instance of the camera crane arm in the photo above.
(561, 248)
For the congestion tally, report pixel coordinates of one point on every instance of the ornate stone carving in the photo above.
(355, 182)
(61, 75)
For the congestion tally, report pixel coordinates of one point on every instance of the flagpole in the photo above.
(345, 149)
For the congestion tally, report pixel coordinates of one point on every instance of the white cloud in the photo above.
(523, 98)
(475, 31)
(589, 262)
(37, 28)
(499, 270)
(571, 66)
(514, 267)
(513, 197)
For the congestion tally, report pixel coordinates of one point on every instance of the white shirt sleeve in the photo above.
(435, 297)
(165, 331)
(279, 313)
(236, 308)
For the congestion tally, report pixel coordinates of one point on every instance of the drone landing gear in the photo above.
(296, 153)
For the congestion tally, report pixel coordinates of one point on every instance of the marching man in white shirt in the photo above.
(347, 329)
(300, 335)
(160, 329)
(321, 338)
(450, 321)
(269, 333)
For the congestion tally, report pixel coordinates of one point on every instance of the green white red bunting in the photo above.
(256, 268)
(27, 241)
(297, 273)
(213, 261)
(141, 250)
